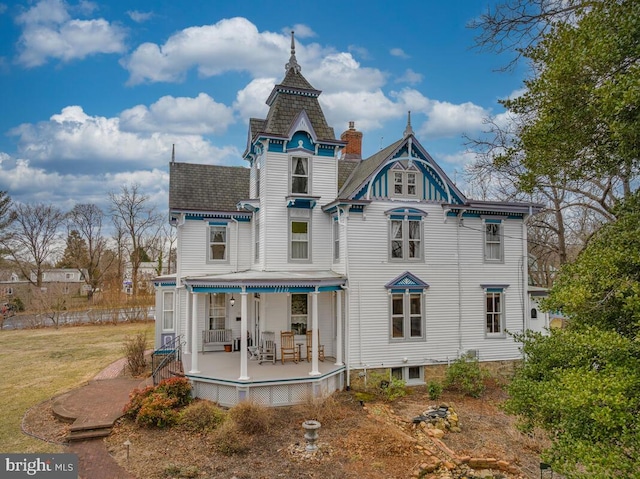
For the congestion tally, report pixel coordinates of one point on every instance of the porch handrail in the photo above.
(171, 352)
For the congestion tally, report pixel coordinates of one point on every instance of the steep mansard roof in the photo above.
(286, 101)
(207, 187)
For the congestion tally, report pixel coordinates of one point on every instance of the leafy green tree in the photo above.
(602, 287)
(580, 110)
(76, 253)
(582, 384)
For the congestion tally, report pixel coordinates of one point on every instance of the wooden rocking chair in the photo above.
(288, 348)
(310, 345)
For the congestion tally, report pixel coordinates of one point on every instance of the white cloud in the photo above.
(139, 17)
(447, 120)
(360, 51)
(31, 184)
(75, 141)
(190, 116)
(250, 101)
(50, 32)
(368, 109)
(229, 45)
(457, 160)
(398, 52)
(412, 100)
(341, 72)
(410, 77)
(301, 31)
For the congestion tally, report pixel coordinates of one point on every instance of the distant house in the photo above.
(384, 260)
(68, 281)
(9, 280)
(147, 271)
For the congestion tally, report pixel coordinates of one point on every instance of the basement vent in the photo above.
(472, 354)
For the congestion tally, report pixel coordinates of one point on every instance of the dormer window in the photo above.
(299, 176)
(404, 180)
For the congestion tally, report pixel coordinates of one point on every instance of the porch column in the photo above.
(314, 336)
(194, 334)
(339, 328)
(244, 375)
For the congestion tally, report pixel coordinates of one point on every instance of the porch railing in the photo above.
(166, 362)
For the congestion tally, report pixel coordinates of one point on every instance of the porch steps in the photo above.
(89, 428)
(88, 434)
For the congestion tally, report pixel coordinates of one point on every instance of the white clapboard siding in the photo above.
(194, 248)
(449, 329)
(275, 230)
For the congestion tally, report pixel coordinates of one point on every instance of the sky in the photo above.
(94, 94)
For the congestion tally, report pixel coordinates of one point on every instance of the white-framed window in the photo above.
(218, 235)
(405, 239)
(299, 175)
(404, 182)
(258, 170)
(256, 236)
(494, 312)
(299, 235)
(409, 374)
(493, 245)
(299, 312)
(217, 310)
(407, 316)
(167, 311)
(398, 183)
(411, 183)
(336, 241)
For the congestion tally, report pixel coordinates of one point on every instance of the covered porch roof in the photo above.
(254, 281)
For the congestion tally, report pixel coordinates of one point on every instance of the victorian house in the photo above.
(312, 264)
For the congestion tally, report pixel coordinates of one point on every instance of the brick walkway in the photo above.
(100, 401)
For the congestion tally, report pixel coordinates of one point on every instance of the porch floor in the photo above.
(223, 366)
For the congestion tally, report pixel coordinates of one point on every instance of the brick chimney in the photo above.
(353, 137)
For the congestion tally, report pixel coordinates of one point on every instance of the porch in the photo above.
(268, 384)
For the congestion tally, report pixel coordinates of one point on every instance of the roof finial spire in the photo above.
(408, 130)
(293, 63)
(173, 153)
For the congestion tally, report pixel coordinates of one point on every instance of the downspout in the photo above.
(237, 242)
(179, 286)
(360, 322)
(459, 217)
(347, 299)
(525, 270)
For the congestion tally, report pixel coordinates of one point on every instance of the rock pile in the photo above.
(438, 418)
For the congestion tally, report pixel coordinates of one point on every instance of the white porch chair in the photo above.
(267, 349)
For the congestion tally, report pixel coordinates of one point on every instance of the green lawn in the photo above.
(38, 364)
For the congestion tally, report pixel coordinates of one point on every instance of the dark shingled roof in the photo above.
(345, 168)
(286, 101)
(285, 109)
(207, 187)
(366, 167)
